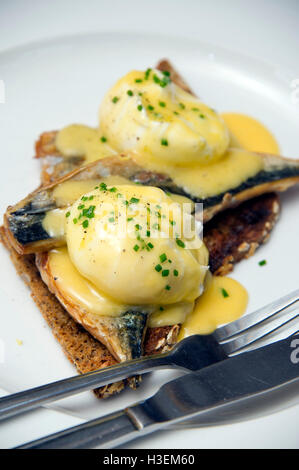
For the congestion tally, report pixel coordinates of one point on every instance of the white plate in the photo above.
(51, 84)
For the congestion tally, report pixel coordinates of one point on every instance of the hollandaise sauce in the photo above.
(224, 300)
(250, 134)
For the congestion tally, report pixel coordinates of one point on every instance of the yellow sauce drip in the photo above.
(250, 134)
(79, 290)
(54, 223)
(68, 192)
(78, 140)
(204, 181)
(213, 308)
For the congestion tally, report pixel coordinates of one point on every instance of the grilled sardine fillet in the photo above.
(26, 221)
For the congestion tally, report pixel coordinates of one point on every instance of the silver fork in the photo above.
(191, 354)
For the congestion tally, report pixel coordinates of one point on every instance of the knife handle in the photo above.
(102, 433)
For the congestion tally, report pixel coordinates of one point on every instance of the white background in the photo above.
(263, 29)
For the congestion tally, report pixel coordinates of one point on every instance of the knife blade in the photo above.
(235, 381)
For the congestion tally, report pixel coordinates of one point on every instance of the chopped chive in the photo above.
(75, 220)
(161, 309)
(182, 106)
(175, 273)
(176, 113)
(81, 206)
(150, 107)
(162, 104)
(165, 272)
(103, 186)
(163, 257)
(130, 93)
(167, 287)
(112, 190)
(140, 107)
(115, 99)
(104, 139)
(129, 219)
(158, 268)
(134, 200)
(138, 227)
(262, 263)
(172, 222)
(202, 116)
(68, 214)
(136, 248)
(148, 233)
(147, 73)
(138, 80)
(150, 245)
(90, 198)
(164, 142)
(85, 223)
(166, 73)
(195, 109)
(180, 243)
(224, 292)
(84, 198)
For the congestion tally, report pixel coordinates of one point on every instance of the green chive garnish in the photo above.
(136, 248)
(167, 287)
(165, 272)
(180, 243)
(85, 224)
(134, 200)
(130, 93)
(162, 104)
(164, 142)
(68, 214)
(104, 139)
(175, 273)
(262, 263)
(163, 257)
(139, 107)
(224, 292)
(158, 268)
(115, 99)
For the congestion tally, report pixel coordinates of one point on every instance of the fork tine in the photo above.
(227, 331)
(253, 335)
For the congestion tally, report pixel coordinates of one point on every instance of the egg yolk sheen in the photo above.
(144, 112)
(120, 239)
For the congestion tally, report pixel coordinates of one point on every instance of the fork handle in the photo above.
(20, 402)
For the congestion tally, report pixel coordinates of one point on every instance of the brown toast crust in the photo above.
(235, 234)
